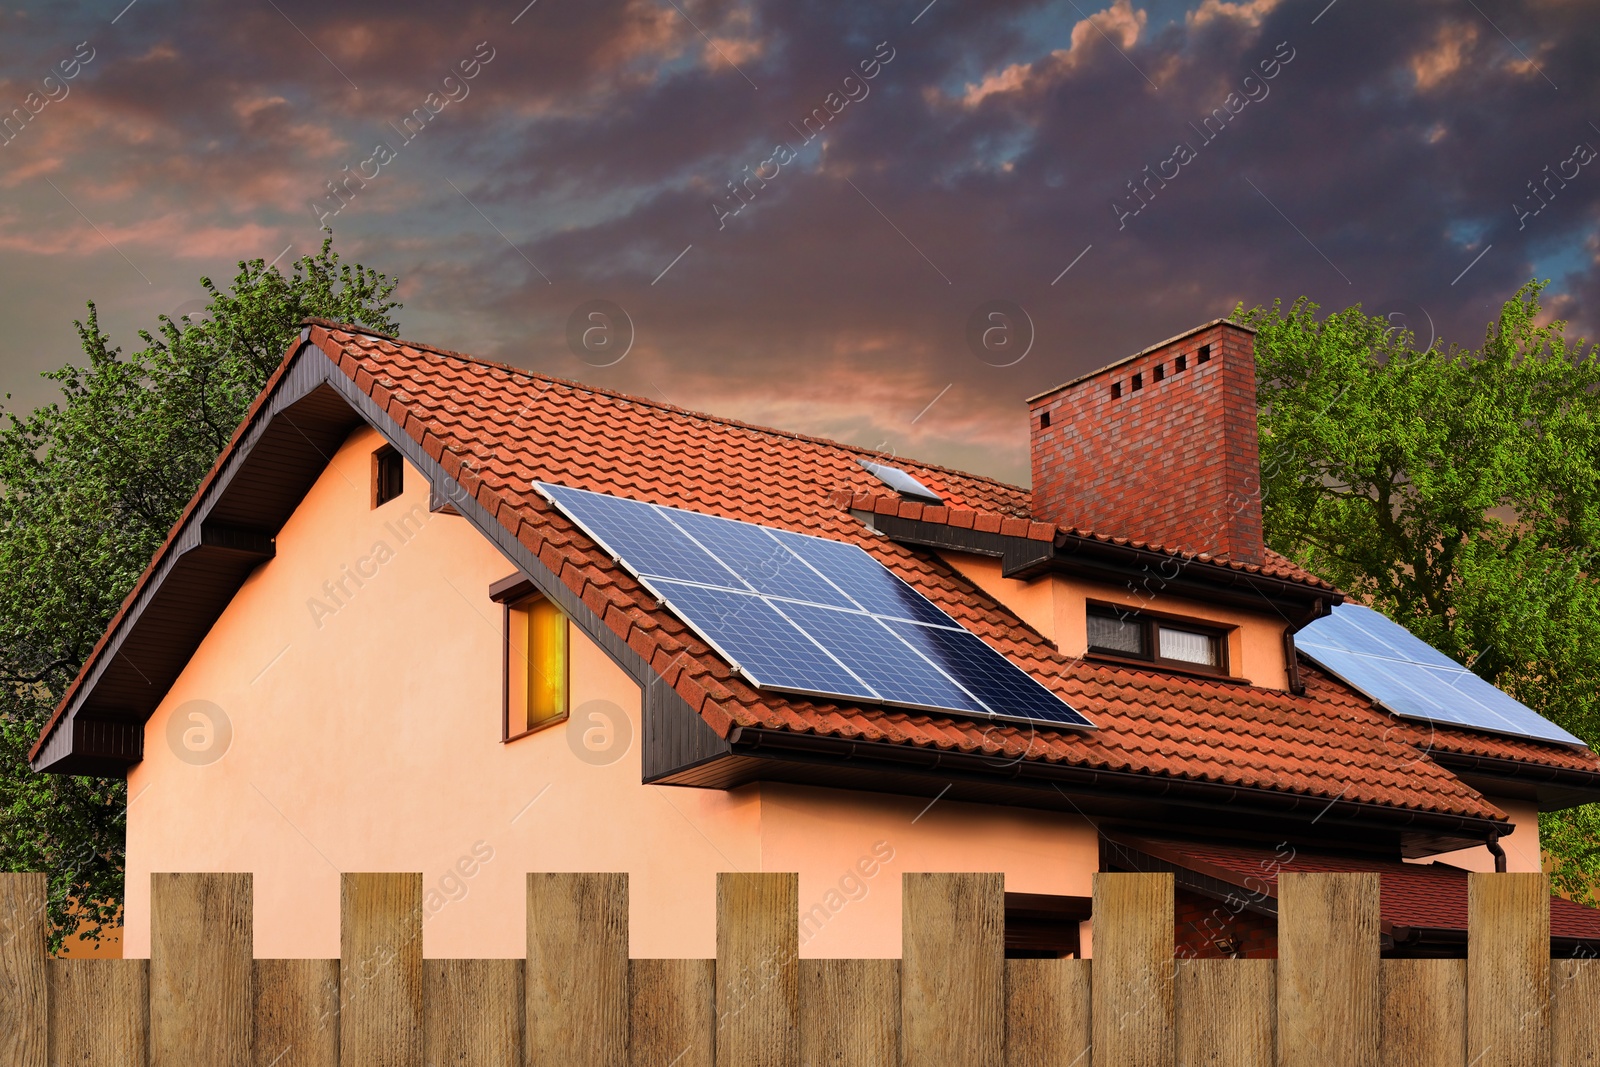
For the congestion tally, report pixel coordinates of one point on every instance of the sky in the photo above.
(885, 222)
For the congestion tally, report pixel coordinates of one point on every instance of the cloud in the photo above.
(1119, 24)
(1250, 13)
(981, 164)
(1444, 57)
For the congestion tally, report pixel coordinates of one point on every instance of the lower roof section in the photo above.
(681, 750)
(1423, 906)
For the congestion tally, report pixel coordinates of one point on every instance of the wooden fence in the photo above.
(201, 1000)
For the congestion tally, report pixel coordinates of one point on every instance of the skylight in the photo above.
(901, 482)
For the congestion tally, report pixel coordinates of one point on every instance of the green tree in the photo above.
(89, 487)
(1457, 491)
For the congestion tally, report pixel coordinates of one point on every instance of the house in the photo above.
(378, 640)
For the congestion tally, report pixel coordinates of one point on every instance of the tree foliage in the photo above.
(89, 487)
(1457, 491)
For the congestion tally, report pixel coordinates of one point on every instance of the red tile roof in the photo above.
(497, 429)
(1431, 895)
(1276, 566)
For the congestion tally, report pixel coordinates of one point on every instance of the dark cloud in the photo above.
(1379, 163)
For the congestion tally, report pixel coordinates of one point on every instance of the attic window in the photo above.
(1161, 371)
(1138, 381)
(388, 475)
(1180, 364)
(1164, 641)
(1205, 354)
(536, 666)
(901, 482)
(1116, 390)
(1044, 421)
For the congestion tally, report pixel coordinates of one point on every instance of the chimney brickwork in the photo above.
(1159, 447)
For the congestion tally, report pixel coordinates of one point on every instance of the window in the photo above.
(1160, 371)
(1044, 421)
(1138, 381)
(1127, 634)
(536, 666)
(1205, 354)
(388, 475)
(1181, 363)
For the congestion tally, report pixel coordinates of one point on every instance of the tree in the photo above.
(89, 487)
(1457, 491)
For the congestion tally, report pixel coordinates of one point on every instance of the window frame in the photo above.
(1150, 623)
(514, 600)
(381, 460)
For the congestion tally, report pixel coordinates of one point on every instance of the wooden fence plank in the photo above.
(1047, 1013)
(297, 1013)
(1133, 970)
(1424, 1013)
(1508, 969)
(577, 970)
(1575, 1013)
(200, 969)
(952, 970)
(99, 1013)
(758, 970)
(380, 970)
(673, 1013)
(473, 1012)
(1328, 981)
(24, 988)
(1225, 1016)
(850, 1013)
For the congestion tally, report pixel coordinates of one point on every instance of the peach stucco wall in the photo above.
(1521, 845)
(1057, 607)
(366, 736)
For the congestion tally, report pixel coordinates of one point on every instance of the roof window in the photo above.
(901, 482)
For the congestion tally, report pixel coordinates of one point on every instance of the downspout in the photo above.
(1497, 852)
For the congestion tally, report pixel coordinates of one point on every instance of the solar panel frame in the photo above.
(1377, 656)
(907, 609)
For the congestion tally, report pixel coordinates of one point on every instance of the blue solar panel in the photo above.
(755, 638)
(761, 561)
(978, 668)
(642, 537)
(870, 584)
(809, 615)
(882, 660)
(1413, 679)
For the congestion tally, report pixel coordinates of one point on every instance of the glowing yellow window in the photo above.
(536, 666)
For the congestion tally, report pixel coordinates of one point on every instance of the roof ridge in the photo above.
(651, 402)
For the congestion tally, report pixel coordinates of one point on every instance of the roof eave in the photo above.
(1420, 833)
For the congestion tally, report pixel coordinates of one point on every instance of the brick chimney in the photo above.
(1159, 447)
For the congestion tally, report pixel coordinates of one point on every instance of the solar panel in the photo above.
(1413, 679)
(901, 482)
(809, 615)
